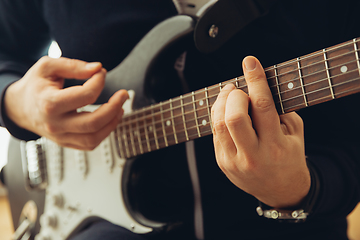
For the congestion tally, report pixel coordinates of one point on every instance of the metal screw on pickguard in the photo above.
(213, 31)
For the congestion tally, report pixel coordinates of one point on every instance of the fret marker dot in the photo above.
(150, 128)
(290, 85)
(168, 123)
(204, 122)
(343, 69)
(201, 102)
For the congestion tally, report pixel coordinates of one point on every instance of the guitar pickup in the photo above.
(34, 164)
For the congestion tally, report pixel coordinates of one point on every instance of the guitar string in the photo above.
(315, 73)
(141, 136)
(244, 86)
(295, 61)
(296, 71)
(154, 147)
(202, 117)
(283, 83)
(308, 65)
(274, 94)
(319, 89)
(193, 136)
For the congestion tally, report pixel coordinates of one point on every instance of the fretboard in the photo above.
(324, 75)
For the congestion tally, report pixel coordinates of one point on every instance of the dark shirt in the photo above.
(106, 31)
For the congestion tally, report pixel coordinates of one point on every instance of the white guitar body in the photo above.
(71, 173)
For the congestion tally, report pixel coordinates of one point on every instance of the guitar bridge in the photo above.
(34, 164)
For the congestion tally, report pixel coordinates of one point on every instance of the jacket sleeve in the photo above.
(24, 38)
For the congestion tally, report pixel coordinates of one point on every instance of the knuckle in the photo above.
(43, 62)
(90, 95)
(71, 63)
(236, 119)
(51, 128)
(48, 107)
(91, 125)
(256, 77)
(219, 126)
(91, 142)
(264, 103)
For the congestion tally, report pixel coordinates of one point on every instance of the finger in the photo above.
(292, 124)
(89, 122)
(86, 141)
(263, 112)
(72, 98)
(238, 121)
(221, 133)
(67, 68)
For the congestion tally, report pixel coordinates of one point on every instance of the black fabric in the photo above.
(106, 230)
(106, 31)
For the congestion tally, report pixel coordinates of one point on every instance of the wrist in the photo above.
(300, 212)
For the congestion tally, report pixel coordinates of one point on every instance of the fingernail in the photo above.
(229, 86)
(93, 65)
(249, 63)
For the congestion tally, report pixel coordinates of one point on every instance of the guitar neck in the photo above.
(305, 81)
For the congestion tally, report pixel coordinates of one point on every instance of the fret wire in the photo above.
(278, 88)
(125, 142)
(301, 82)
(132, 139)
(316, 54)
(320, 80)
(208, 107)
(242, 77)
(200, 117)
(356, 55)
(328, 75)
(195, 115)
(310, 65)
(173, 122)
(353, 89)
(190, 120)
(200, 91)
(190, 128)
(119, 142)
(207, 97)
(183, 116)
(317, 90)
(271, 77)
(276, 75)
(162, 124)
(138, 134)
(154, 127)
(298, 104)
(146, 135)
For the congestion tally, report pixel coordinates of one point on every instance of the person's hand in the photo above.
(259, 151)
(38, 103)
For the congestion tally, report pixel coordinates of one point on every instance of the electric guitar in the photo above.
(85, 185)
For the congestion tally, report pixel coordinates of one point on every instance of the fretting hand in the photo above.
(259, 151)
(38, 103)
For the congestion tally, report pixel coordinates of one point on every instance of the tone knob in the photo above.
(48, 220)
(58, 200)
